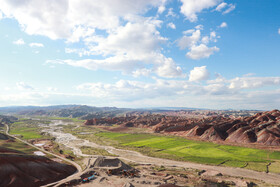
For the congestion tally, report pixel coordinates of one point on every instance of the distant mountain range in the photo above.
(80, 110)
(89, 112)
(72, 111)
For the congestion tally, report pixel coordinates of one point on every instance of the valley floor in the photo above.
(79, 139)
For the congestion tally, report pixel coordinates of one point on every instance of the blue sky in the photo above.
(216, 54)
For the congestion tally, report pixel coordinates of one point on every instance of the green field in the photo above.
(61, 118)
(95, 151)
(26, 128)
(26, 133)
(177, 148)
(170, 147)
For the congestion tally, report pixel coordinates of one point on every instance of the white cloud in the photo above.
(41, 98)
(279, 31)
(168, 68)
(196, 44)
(190, 8)
(218, 93)
(52, 89)
(249, 74)
(176, 92)
(170, 13)
(58, 19)
(137, 90)
(189, 41)
(199, 74)
(24, 86)
(190, 31)
(253, 82)
(221, 6)
(217, 89)
(231, 7)
(80, 32)
(205, 40)
(213, 36)
(199, 27)
(162, 66)
(223, 25)
(133, 38)
(171, 25)
(19, 42)
(128, 48)
(226, 8)
(201, 51)
(246, 82)
(161, 9)
(141, 72)
(36, 45)
(128, 41)
(7, 88)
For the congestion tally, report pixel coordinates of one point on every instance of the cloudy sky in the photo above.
(216, 54)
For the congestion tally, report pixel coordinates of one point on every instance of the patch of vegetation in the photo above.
(27, 128)
(177, 148)
(275, 167)
(61, 149)
(26, 133)
(64, 119)
(257, 166)
(95, 151)
(17, 145)
(235, 163)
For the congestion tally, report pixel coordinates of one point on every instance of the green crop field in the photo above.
(26, 133)
(178, 148)
(28, 129)
(195, 151)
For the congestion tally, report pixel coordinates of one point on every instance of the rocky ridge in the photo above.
(261, 128)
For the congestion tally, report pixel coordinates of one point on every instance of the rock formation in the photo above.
(261, 128)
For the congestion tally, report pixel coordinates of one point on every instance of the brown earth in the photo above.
(7, 150)
(30, 170)
(262, 128)
(114, 172)
(4, 137)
